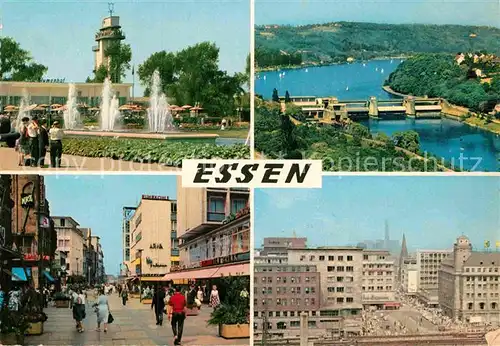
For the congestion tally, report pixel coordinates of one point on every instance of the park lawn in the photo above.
(241, 132)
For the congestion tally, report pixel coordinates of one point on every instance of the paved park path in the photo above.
(134, 324)
(9, 162)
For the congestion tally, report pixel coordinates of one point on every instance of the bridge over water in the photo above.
(330, 109)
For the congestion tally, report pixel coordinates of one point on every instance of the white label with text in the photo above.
(252, 173)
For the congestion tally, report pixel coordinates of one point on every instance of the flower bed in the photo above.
(151, 151)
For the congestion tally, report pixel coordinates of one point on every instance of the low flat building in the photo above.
(11, 93)
(469, 285)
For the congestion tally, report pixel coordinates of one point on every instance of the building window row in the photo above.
(482, 278)
(482, 306)
(481, 295)
(481, 286)
(481, 269)
(286, 290)
(312, 258)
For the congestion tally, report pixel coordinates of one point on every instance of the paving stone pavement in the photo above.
(133, 324)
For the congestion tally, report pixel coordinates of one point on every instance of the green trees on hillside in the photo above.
(437, 75)
(335, 42)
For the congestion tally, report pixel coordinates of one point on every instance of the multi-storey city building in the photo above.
(214, 233)
(428, 264)
(153, 237)
(341, 281)
(98, 259)
(409, 276)
(379, 287)
(281, 292)
(32, 229)
(71, 241)
(275, 250)
(128, 212)
(469, 284)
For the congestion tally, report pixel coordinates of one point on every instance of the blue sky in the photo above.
(431, 211)
(97, 201)
(60, 34)
(474, 12)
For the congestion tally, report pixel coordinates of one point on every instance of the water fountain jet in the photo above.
(159, 116)
(109, 113)
(71, 114)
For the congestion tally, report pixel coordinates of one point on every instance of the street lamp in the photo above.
(140, 273)
(77, 266)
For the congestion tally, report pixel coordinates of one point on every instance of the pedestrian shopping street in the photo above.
(134, 324)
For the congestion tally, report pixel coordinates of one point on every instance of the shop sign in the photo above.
(226, 259)
(158, 265)
(28, 196)
(34, 257)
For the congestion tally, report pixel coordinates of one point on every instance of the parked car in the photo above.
(7, 133)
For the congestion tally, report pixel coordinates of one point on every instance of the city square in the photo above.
(343, 277)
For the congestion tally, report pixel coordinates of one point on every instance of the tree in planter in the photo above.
(235, 308)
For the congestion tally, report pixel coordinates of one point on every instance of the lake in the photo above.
(466, 147)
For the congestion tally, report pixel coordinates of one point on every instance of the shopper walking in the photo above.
(124, 295)
(56, 135)
(214, 297)
(23, 144)
(158, 304)
(79, 309)
(102, 310)
(178, 304)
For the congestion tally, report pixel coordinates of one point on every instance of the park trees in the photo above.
(192, 76)
(16, 64)
(119, 55)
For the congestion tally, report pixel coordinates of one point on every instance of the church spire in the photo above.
(402, 256)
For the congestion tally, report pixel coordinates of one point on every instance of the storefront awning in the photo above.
(392, 304)
(18, 274)
(48, 276)
(213, 272)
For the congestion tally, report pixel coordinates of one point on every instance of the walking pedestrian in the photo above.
(44, 142)
(214, 297)
(178, 304)
(56, 135)
(158, 304)
(79, 310)
(124, 295)
(34, 135)
(200, 297)
(102, 310)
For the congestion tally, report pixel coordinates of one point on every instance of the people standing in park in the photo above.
(178, 304)
(34, 135)
(124, 295)
(23, 144)
(44, 142)
(56, 135)
(158, 304)
(102, 310)
(214, 297)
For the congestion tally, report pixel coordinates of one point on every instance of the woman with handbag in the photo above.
(79, 310)
(102, 310)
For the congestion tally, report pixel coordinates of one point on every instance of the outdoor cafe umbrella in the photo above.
(10, 107)
(187, 107)
(56, 105)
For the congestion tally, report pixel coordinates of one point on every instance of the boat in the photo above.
(307, 70)
(347, 88)
(382, 71)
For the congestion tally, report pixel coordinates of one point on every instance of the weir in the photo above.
(331, 109)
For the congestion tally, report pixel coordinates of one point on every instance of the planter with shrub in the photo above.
(61, 300)
(33, 312)
(147, 298)
(232, 315)
(14, 325)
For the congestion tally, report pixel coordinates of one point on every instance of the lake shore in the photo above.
(308, 65)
